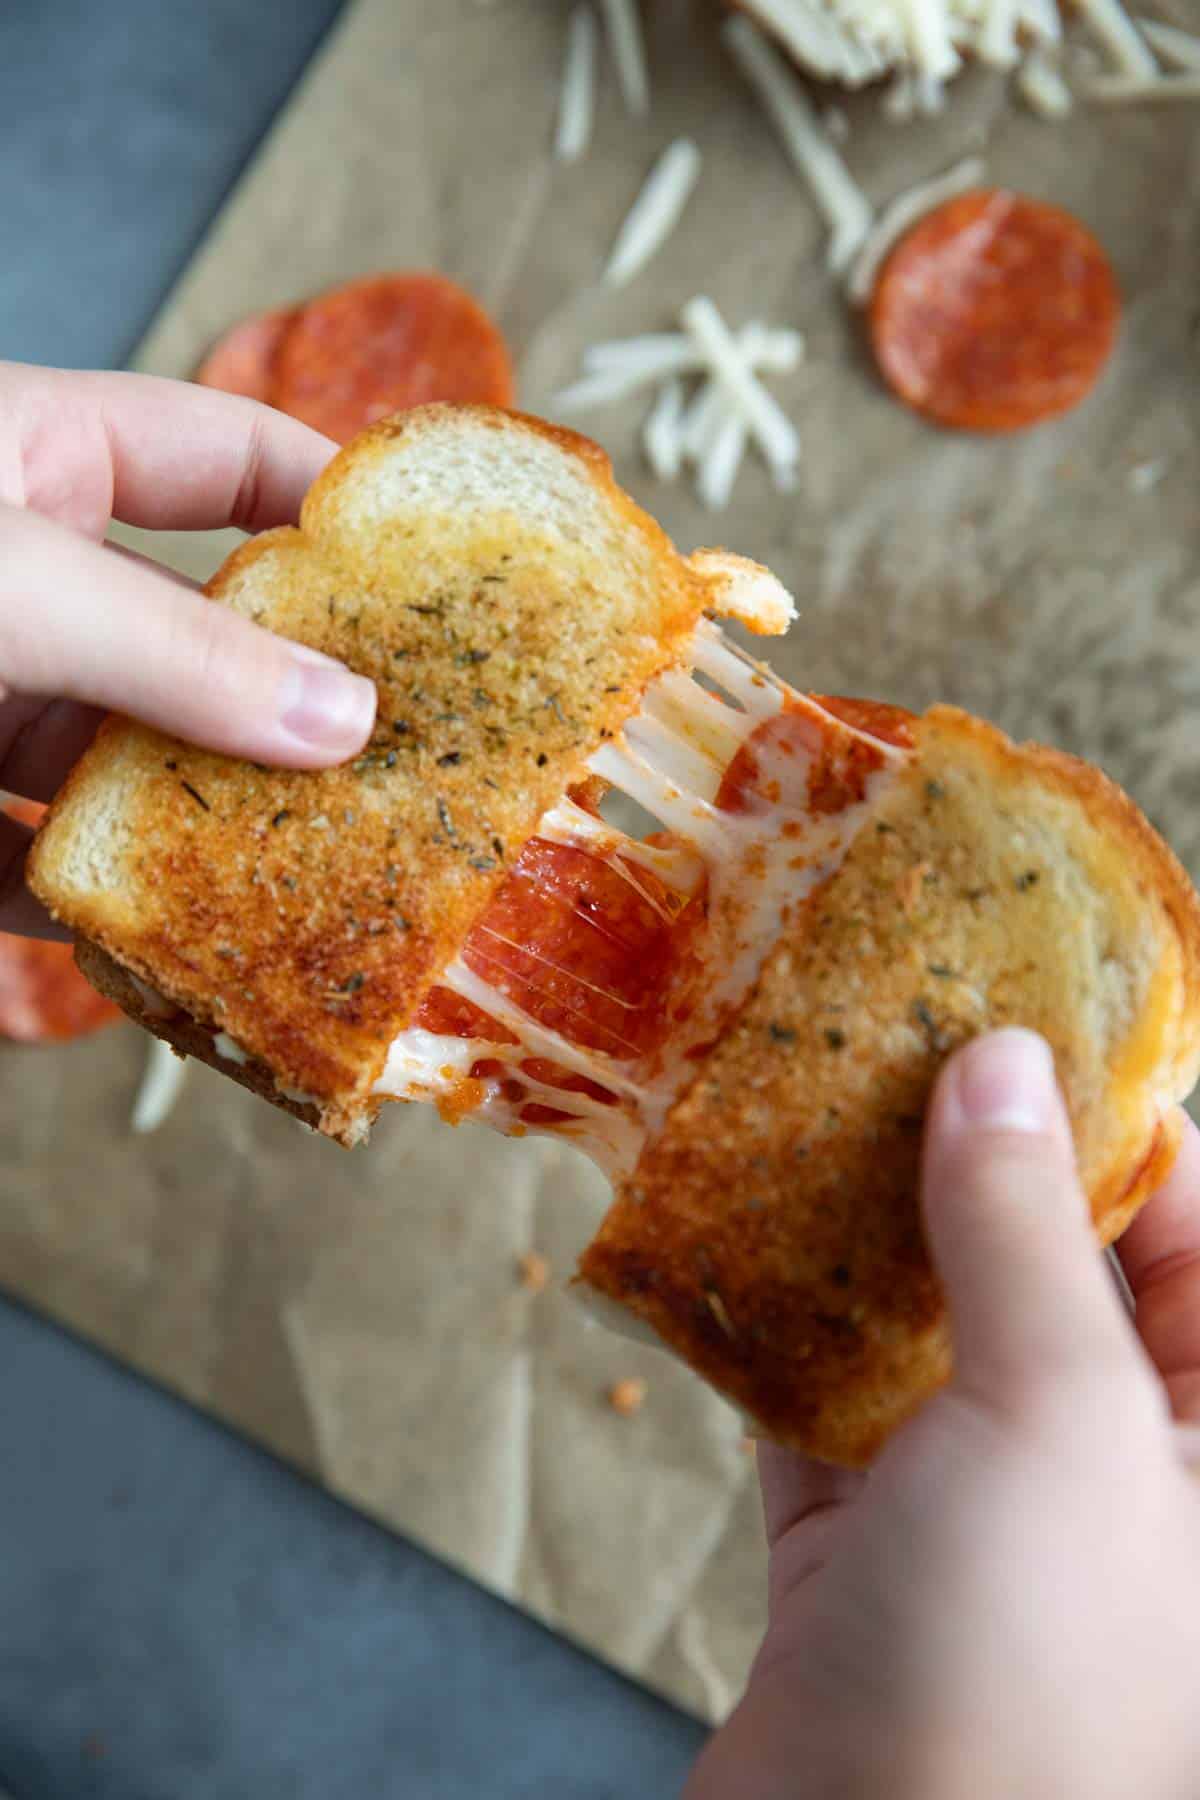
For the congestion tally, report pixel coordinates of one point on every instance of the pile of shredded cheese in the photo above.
(923, 44)
(919, 45)
(708, 425)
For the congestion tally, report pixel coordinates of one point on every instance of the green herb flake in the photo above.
(196, 795)
(450, 760)
(834, 1038)
(1027, 880)
(781, 1034)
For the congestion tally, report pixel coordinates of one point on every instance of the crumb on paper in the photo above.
(534, 1271)
(626, 1397)
(749, 1446)
(1144, 477)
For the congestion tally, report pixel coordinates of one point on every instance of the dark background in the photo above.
(180, 1616)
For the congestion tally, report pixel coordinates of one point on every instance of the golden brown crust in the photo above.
(185, 1035)
(772, 1235)
(306, 913)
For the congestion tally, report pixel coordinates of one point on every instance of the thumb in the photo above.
(77, 621)
(1009, 1229)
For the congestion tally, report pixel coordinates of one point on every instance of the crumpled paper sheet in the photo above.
(361, 1313)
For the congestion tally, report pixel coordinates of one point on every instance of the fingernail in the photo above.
(325, 705)
(304, 653)
(1005, 1082)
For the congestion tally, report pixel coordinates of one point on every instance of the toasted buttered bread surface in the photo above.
(510, 602)
(772, 1235)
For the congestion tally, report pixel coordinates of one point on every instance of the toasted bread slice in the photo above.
(511, 603)
(772, 1234)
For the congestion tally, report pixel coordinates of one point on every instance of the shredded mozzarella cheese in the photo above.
(997, 42)
(843, 204)
(902, 212)
(1179, 48)
(719, 466)
(1118, 89)
(625, 41)
(1112, 27)
(764, 418)
(655, 213)
(661, 434)
(1042, 86)
(162, 1083)
(577, 101)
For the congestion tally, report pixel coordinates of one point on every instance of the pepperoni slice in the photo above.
(42, 994)
(994, 312)
(801, 761)
(384, 343)
(243, 360)
(878, 718)
(594, 948)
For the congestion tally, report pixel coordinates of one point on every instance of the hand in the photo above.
(85, 629)
(1009, 1603)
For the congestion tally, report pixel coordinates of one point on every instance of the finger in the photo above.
(20, 913)
(167, 455)
(1160, 1254)
(41, 741)
(1009, 1230)
(100, 629)
(796, 1489)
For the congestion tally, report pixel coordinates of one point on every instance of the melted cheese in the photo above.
(157, 1005)
(758, 867)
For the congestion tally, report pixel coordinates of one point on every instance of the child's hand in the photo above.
(1009, 1604)
(86, 629)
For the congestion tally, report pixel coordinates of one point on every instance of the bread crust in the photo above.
(772, 1234)
(187, 1037)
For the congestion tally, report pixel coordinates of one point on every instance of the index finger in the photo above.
(1160, 1256)
(165, 455)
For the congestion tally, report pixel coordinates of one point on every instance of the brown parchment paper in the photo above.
(361, 1313)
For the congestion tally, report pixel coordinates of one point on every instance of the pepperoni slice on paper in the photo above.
(243, 360)
(385, 343)
(994, 312)
(42, 994)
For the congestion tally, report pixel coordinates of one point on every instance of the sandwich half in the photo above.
(512, 606)
(602, 875)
